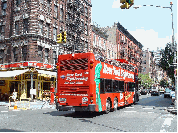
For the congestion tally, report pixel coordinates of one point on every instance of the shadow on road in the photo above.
(75, 114)
(9, 130)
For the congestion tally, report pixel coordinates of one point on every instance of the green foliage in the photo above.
(145, 80)
(167, 60)
(163, 83)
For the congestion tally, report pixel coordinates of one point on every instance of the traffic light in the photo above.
(64, 36)
(59, 38)
(131, 2)
(125, 4)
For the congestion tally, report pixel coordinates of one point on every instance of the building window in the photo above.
(54, 57)
(144, 62)
(61, 14)
(41, 28)
(108, 53)
(54, 34)
(17, 27)
(86, 29)
(2, 30)
(25, 25)
(86, 11)
(48, 6)
(47, 30)
(24, 53)
(15, 52)
(55, 11)
(40, 53)
(18, 2)
(42, 4)
(1, 56)
(46, 55)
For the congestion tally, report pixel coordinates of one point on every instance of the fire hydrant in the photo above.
(52, 94)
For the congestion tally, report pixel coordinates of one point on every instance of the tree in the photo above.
(145, 80)
(163, 83)
(166, 61)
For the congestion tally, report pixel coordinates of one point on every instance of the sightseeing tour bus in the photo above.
(87, 84)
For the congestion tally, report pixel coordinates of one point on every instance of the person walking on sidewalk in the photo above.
(172, 94)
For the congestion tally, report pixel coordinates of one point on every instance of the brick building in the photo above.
(127, 46)
(28, 33)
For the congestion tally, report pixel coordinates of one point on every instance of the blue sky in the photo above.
(152, 26)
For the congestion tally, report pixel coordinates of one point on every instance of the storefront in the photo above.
(21, 81)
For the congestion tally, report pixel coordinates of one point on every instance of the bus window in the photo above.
(108, 85)
(131, 86)
(101, 86)
(115, 86)
(121, 85)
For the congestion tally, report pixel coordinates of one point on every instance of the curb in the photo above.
(172, 110)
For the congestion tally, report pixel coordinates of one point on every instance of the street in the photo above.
(149, 115)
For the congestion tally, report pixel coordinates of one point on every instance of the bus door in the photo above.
(126, 93)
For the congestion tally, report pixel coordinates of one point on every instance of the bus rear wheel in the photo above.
(115, 104)
(108, 107)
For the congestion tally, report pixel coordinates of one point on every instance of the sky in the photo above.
(149, 25)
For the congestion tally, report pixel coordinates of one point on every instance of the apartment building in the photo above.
(28, 34)
(127, 46)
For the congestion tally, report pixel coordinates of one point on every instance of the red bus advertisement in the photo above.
(87, 84)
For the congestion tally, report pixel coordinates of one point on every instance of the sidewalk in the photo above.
(29, 105)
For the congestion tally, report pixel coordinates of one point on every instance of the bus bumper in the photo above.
(90, 107)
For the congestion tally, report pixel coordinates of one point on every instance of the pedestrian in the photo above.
(172, 93)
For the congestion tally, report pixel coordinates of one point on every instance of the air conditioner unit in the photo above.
(17, 9)
(25, 16)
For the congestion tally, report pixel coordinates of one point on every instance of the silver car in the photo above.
(167, 92)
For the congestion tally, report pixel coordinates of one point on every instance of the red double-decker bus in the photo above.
(87, 84)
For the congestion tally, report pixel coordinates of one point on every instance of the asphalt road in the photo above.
(149, 115)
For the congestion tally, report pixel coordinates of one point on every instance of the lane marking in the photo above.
(147, 108)
(129, 107)
(130, 111)
(4, 111)
(167, 123)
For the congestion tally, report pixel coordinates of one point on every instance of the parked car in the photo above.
(144, 92)
(154, 91)
(149, 90)
(167, 92)
(161, 90)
